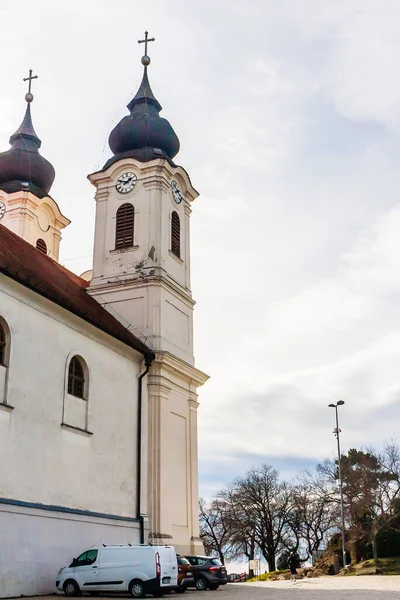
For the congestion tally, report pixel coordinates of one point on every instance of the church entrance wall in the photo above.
(37, 542)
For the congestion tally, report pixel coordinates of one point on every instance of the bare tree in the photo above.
(312, 517)
(216, 527)
(265, 503)
(243, 541)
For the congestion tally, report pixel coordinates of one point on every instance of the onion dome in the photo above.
(22, 167)
(143, 134)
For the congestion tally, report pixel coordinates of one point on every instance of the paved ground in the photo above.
(323, 588)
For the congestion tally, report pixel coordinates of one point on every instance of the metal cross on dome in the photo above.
(146, 58)
(29, 95)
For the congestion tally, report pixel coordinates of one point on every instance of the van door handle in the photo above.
(95, 567)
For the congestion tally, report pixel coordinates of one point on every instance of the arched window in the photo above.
(41, 245)
(175, 234)
(76, 378)
(5, 340)
(124, 226)
(3, 345)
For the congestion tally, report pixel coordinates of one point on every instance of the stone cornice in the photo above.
(29, 201)
(178, 367)
(158, 170)
(137, 281)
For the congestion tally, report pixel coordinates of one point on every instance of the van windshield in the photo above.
(87, 558)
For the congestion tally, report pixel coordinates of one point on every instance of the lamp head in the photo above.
(331, 405)
(340, 403)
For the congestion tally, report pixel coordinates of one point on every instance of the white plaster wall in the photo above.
(41, 462)
(36, 543)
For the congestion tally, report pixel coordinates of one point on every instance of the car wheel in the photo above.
(201, 584)
(136, 588)
(215, 586)
(71, 588)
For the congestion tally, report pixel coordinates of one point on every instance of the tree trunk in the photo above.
(271, 562)
(375, 550)
(354, 552)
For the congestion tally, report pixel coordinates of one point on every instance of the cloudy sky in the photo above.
(288, 112)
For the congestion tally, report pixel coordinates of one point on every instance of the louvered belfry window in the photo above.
(125, 226)
(41, 245)
(76, 378)
(175, 235)
(3, 342)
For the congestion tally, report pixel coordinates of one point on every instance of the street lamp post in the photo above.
(336, 431)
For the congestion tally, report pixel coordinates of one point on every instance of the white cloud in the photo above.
(288, 117)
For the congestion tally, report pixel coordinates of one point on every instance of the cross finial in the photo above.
(146, 58)
(29, 95)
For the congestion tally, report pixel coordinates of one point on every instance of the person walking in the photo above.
(293, 563)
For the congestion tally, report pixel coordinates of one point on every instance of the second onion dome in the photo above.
(22, 167)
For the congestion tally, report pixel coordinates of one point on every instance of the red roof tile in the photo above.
(33, 269)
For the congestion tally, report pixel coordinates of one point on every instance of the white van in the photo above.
(140, 570)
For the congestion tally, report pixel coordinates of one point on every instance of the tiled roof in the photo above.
(40, 273)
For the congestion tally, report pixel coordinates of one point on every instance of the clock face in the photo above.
(176, 192)
(126, 183)
(2, 209)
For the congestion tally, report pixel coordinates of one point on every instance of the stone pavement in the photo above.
(323, 588)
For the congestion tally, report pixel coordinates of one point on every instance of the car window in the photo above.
(201, 561)
(215, 562)
(192, 560)
(87, 558)
(183, 561)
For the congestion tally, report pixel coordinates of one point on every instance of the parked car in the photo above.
(139, 570)
(208, 572)
(185, 574)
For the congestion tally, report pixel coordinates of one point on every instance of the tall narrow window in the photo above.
(3, 345)
(175, 234)
(41, 245)
(124, 226)
(5, 340)
(76, 378)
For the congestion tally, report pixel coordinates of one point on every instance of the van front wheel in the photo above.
(136, 588)
(71, 588)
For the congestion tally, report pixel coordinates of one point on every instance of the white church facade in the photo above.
(98, 386)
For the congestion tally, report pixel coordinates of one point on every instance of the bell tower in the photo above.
(25, 181)
(141, 273)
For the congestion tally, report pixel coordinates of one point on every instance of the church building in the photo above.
(98, 384)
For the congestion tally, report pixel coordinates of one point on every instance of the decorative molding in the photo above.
(135, 281)
(66, 509)
(177, 258)
(159, 169)
(77, 430)
(177, 366)
(124, 250)
(160, 536)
